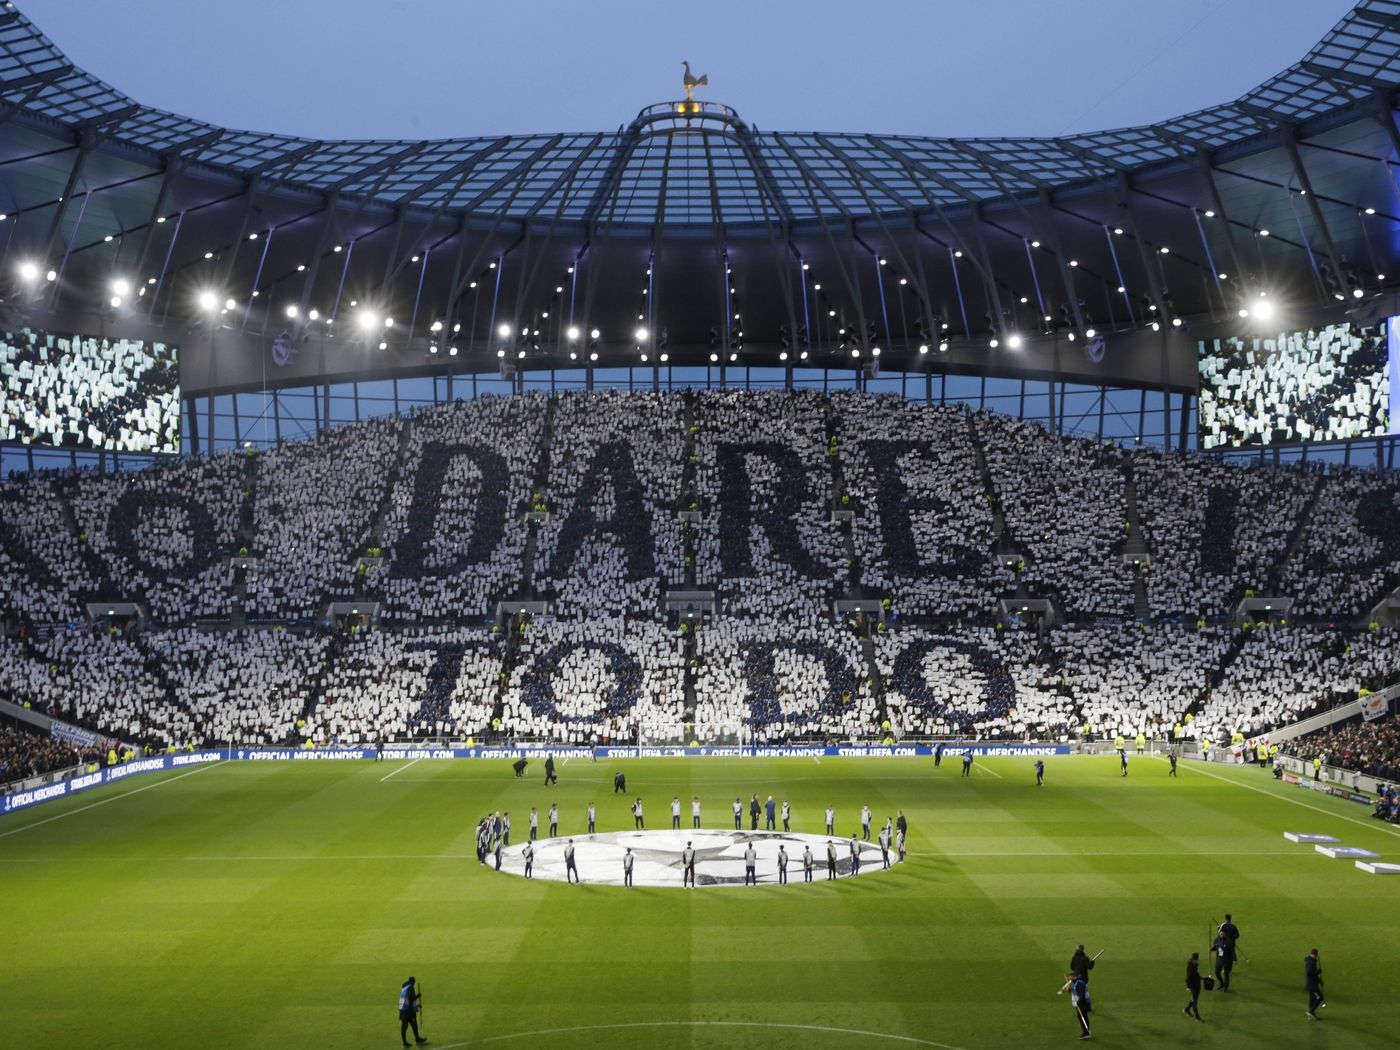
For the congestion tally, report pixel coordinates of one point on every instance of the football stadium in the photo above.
(700, 586)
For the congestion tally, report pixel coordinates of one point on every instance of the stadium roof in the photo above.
(690, 221)
(720, 170)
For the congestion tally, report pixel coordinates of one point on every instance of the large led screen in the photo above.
(86, 392)
(1324, 384)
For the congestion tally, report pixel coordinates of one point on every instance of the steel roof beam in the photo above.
(1300, 170)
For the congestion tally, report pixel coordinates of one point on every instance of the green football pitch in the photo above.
(282, 904)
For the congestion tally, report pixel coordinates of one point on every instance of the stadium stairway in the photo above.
(96, 567)
(247, 529)
(687, 498)
(540, 487)
(1295, 537)
(1135, 543)
(1001, 540)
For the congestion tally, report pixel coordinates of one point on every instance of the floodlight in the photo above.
(208, 300)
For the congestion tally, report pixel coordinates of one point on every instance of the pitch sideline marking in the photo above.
(984, 769)
(103, 802)
(1300, 802)
(695, 1024)
(396, 772)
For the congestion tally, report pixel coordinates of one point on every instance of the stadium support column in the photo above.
(1291, 145)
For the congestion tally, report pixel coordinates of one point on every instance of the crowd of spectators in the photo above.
(316, 504)
(25, 753)
(1367, 747)
(42, 574)
(454, 529)
(64, 391)
(608, 474)
(615, 474)
(1349, 551)
(596, 679)
(164, 534)
(1064, 506)
(1214, 530)
(766, 539)
(925, 529)
(769, 679)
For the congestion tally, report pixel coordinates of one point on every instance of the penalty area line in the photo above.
(103, 802)
(396, 772)
(915, 1040)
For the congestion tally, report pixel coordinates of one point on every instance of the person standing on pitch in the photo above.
(1123, 759)
(410, 1004)
(1079, 998)
(688, 866)
(569, 867)
(830, 820)
(782, 865)
(675, 812)
(529, 854)
(770, 815)
(505, 826)
(1172, 756)
(499, 845)
(1039, 772)
(695, 812)
(627, 859)
(855, 855)
(787, 815)
(750, 860)
(807, 863)
(967, 763)
(937, 756)
(1193, 986)
(592, 818)
(738, 813)
(830, 860)
(865, 823)
(1080, 964)
(899, 845)
(900, 824)
(619, 782)
(754, 810)
(1312, 977)
(534, 823)
(637, 818)
(553, 819)
(885, 845)
(549, 777)
(1227, 954)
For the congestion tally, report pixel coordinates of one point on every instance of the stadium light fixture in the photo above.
(1014, 341)
(572, 333)
(994, 343)
(1156, 326)
(641, 335)
(121, 286)
(1369, 211)
(665, 357)
(388, 322)
(500, 353)
(1264, 310)
(28, 270)
(451, 351)
(432, 348)
(107, 239)
(367, 320)
(1089, 333)
(314, 315)
(1357, 293)
(52, 276)
(594, 334)
(116, 301)
(384, 346)
(292, 310)
(1035, 244)
(943, 346)
(229, 303)
(923, 348)
(1176, 322)
(503, 331)
(1074, 262)
(782, 355)
(436, 326)
(208, 300)
(714, 358)
(1118, 230)
(593, 356)
(874, 351)
(1263, 233)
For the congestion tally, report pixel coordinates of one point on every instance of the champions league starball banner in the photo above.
(84, 782)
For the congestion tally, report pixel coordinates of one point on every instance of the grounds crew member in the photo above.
(410, 1005)
(1193, 985)
(1141, 742)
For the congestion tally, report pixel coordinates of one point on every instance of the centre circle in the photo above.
(720, 857)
